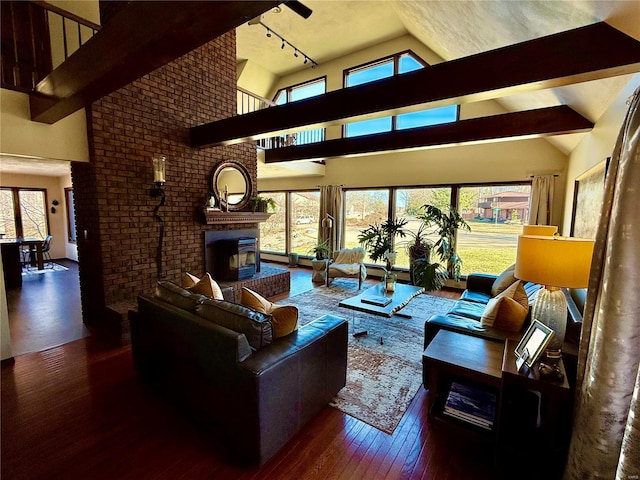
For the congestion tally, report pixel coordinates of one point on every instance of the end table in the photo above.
(319, 274)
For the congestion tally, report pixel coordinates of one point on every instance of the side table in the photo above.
(319, 274)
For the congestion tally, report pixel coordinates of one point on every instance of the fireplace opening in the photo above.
(235, 258)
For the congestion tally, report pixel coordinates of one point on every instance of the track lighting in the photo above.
(296, 51)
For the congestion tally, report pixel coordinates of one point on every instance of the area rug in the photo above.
(56, 268)
(384, 369)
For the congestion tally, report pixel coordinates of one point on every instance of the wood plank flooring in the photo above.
(77, 411)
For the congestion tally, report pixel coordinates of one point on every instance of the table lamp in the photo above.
(543, 230)
(555, 262)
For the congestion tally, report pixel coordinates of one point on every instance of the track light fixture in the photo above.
(296, 51)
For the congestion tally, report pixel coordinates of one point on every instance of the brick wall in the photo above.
(151, 116)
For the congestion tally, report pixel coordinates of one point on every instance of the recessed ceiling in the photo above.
(34, 166)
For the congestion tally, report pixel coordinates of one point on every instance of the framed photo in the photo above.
(533, 342)
(588, 193)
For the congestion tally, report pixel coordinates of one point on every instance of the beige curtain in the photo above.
(331, 203)
(606, 433)
(541, 205)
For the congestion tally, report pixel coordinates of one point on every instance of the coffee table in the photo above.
(399, 299)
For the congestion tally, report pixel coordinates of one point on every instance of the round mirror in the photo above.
(231, 185)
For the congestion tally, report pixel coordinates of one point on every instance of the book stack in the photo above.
(377, 300)
(471, 405)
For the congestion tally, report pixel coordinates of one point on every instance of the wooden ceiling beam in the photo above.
(143, 36)
(509, 126)
(588, 53)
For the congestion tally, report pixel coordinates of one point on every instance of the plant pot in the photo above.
(293, 259)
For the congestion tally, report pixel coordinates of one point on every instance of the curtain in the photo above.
(541, 205)
(331, 204)
(606, 432)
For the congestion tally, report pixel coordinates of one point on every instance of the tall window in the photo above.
(305, 209)
(408, 205)
(363, 208)
(273, 232)
(24, 212)
(384, 68)
(495, 214)
(301, 92)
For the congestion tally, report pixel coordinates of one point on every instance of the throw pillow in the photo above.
(177, 296)
(517, 292)
(189, 280)
(284, 318)
(207, 286)
(504, 313)
(504, 280)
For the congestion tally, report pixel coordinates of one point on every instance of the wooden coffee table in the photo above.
(399, 299)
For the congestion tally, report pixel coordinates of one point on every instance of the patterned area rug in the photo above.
(54, 268)
(382, 378)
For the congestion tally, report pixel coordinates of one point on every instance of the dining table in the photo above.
(12, 258)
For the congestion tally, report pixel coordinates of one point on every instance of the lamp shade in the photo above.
(543, 230)
(554, 261)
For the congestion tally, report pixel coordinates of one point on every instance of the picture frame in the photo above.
(533, 342)
(588, 192)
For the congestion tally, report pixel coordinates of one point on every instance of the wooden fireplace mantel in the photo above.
(217, 217)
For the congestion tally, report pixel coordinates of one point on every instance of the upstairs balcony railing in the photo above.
(250, 102)
(36, 38)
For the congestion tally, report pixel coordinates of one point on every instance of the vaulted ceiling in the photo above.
(452, 30)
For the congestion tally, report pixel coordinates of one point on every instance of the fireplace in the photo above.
(232, 255)
(235, 258)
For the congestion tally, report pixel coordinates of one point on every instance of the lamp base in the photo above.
(550, 308)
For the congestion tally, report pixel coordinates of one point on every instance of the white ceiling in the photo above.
(452, 29)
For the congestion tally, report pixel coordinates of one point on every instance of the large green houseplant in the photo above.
(377, 239)
(432, 275)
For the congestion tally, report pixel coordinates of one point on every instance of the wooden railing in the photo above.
(250, 102)
(36, 38)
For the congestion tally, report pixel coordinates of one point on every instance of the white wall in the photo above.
(60, 247)
(596, 146)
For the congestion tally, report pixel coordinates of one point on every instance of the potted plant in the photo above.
(432, 275)
(419, 248)
(262, 204)
(322, 250)
(377, 240)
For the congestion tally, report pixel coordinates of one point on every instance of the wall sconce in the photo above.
(54, 204)
(159, 166)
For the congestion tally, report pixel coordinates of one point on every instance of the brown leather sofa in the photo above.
(261, 396)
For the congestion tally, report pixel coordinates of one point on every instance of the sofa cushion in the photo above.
(504, 280)
(256, 326)
(284, 317)
(178, 296)
(478, 297)
(207, 286)
(472, 310)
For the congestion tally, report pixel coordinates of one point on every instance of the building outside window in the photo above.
(388, 67)
(273, 232)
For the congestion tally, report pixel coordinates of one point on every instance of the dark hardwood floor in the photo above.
(77, 411)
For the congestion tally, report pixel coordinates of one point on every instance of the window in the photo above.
(384, 68)
(363, 208)
(24, 213)
(273, 232)
(305, 209)
(495, 214)
(301, 92)
(71, 214)
(408, 205)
